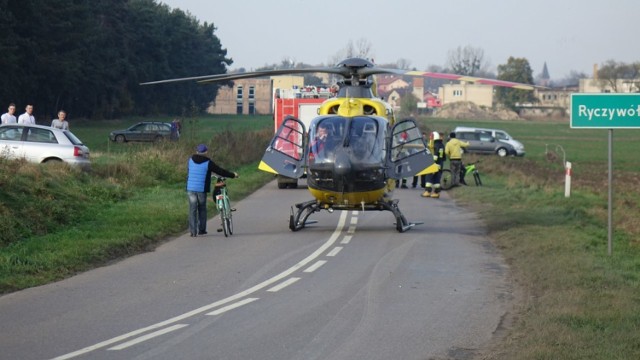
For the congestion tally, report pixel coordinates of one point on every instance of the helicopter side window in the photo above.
(407, 140)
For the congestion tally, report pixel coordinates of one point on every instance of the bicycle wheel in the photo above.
(229, 222)
(446, 181)
(225, 224)
(476, 177)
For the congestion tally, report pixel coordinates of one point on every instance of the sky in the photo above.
(569, 35)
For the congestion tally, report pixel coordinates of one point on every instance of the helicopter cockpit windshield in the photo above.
(365, 144)
(358, 136)
(325, 136)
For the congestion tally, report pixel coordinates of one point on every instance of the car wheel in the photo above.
(52, 161)
(502, 152)
(120, 138)
(158, 138)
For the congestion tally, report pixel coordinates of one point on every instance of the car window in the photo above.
(41, 135)
(11, 133)
(485, 136)
(468, 136)
(74, 140)
(501, 136)
(139, 127)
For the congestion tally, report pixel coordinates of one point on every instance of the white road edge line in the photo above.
(283, 284)
(232, 306)
(335, 251)
(282, 275)
(346, 240)
(315, 266)
(148, 336)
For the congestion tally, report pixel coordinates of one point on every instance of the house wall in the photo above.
(390, 83)
(595, 86)
(481, 95)
(560, 98)
(227, 101)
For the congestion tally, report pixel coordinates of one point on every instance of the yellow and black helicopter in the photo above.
(354, 150)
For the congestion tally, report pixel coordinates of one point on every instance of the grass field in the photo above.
(574, 300)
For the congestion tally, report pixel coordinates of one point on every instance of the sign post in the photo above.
(606, 111)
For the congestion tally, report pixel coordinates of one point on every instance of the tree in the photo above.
(88, 57)
(611, 72)
(466, 61)
(408, 105)
(361, 49)
(573, 79)
(515, 70)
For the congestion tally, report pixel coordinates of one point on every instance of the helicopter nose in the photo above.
(342, 163)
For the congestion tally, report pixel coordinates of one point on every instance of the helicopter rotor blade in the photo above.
(205, 79)
(352, 68)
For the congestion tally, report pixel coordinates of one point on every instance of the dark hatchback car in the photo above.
(144, 131)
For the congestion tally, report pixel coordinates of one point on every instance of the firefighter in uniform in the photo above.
(432, 185)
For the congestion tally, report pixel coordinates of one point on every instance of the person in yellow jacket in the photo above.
(453, 151)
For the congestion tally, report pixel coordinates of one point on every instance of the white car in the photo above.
(41, 144)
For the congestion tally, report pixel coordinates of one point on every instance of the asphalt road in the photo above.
(347, 287)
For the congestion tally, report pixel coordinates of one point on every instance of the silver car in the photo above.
(41, 144)
(482, 142)
(500, 135)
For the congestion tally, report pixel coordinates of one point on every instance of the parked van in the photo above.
(499, 135)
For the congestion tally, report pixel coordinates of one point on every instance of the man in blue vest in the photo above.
(199, 172)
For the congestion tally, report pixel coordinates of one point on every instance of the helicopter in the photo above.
(354, 150)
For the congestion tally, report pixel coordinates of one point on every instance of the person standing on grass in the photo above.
(453, 151)
(199, 170)
(60, 122)
(8, 117)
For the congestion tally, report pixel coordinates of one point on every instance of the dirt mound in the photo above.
(469, 110)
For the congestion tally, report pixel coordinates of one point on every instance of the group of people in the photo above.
(452, 151)
(28, 118)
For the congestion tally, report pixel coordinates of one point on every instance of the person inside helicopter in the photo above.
(324, 139)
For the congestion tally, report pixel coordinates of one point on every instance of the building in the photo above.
(481, 95)
(386, 83)
(600, 86)
(246, 97)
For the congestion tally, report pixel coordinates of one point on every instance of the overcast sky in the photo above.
(566, 34)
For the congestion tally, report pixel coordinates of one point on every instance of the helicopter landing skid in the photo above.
(298, 219)
(402, 224)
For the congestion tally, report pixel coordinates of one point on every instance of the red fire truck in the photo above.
(302, 108)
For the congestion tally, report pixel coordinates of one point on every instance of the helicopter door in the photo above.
(408, 153)
(285, 154)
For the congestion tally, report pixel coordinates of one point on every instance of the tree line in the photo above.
(89, 56)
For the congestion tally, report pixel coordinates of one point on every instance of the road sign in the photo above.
(605, 111)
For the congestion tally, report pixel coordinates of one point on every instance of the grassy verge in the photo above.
(126, 227)
(58, 221)
(578, 302)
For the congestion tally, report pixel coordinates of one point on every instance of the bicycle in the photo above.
(446, 181)
(224, 206)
